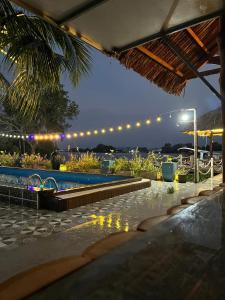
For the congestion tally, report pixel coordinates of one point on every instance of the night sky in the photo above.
(112, 95)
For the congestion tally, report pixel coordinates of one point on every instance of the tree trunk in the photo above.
(221, 45)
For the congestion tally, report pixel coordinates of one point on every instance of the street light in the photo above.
(186, 118)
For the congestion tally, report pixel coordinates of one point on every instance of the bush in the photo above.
(121, 164)
(9, 160)
(85, 162)
(32, 161)
(170, 190)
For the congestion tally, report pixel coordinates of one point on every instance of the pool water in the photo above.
(65, 180)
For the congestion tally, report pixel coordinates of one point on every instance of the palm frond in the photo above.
(37, 54)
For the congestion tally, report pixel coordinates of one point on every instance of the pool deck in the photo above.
(181, 258)
(29, 238)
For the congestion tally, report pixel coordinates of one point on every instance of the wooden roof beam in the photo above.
(206, 73)
(159, 61)
(197, 40)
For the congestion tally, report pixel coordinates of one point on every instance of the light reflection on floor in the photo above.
(20, 225)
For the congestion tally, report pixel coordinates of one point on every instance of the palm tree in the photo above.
(36, 53)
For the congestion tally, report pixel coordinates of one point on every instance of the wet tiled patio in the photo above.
(23, 229)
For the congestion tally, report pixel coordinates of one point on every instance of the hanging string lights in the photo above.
(82, 134)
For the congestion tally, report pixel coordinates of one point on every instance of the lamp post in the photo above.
(185, 118)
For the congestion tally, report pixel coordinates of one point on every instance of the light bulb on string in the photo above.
(158, 119)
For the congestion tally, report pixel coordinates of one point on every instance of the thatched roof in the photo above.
(159, 64)
(116, 26)
(209, 123)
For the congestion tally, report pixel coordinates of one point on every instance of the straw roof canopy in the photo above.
(208, 124)
(210, 120)
(159, 64)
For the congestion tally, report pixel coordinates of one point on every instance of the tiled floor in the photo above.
(21, 225)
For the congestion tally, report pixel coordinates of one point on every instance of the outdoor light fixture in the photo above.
(120, 128)
(68, 136)
(88, 133)
(184, 117)
(111, 129)
(75, 135)
(148, 122)
(103, 131)
(128, 126)
(81, 134)
(138, 124)
(95, 132)
(158, 119)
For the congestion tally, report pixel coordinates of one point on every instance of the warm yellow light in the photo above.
(57, 137)
(111, 129)
(103, 130)
(81, 134)
(75, 135)
(88, 133)
(138, 124)
(46, 137)
(41, 137)
(128, 126)
(95, 132)
(68, 136)
(120, 128)
(148, 122)
(36, 137)
(158, 119)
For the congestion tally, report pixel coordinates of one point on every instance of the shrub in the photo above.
(170, 190)
(85, 162)
(9, 160)
(32, 161)
(121, 164)
(72, 163)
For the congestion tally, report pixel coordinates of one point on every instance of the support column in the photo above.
(211, 145)
(221, 45)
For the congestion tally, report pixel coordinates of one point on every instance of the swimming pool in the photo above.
(65, 180)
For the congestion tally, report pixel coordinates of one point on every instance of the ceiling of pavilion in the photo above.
(132, 31)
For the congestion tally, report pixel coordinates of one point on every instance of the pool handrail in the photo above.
(38, 176)
(52, 179)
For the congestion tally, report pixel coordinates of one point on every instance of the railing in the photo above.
(51, 179)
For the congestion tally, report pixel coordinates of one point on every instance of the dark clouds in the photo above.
(112, 95)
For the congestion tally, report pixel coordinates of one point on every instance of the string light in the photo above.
(56, 136)
(158, 119)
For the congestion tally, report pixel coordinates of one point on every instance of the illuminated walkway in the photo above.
(28, 238)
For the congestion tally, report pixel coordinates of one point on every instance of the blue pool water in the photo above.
(65, 180)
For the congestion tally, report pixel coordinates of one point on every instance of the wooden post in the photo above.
(221, 46)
